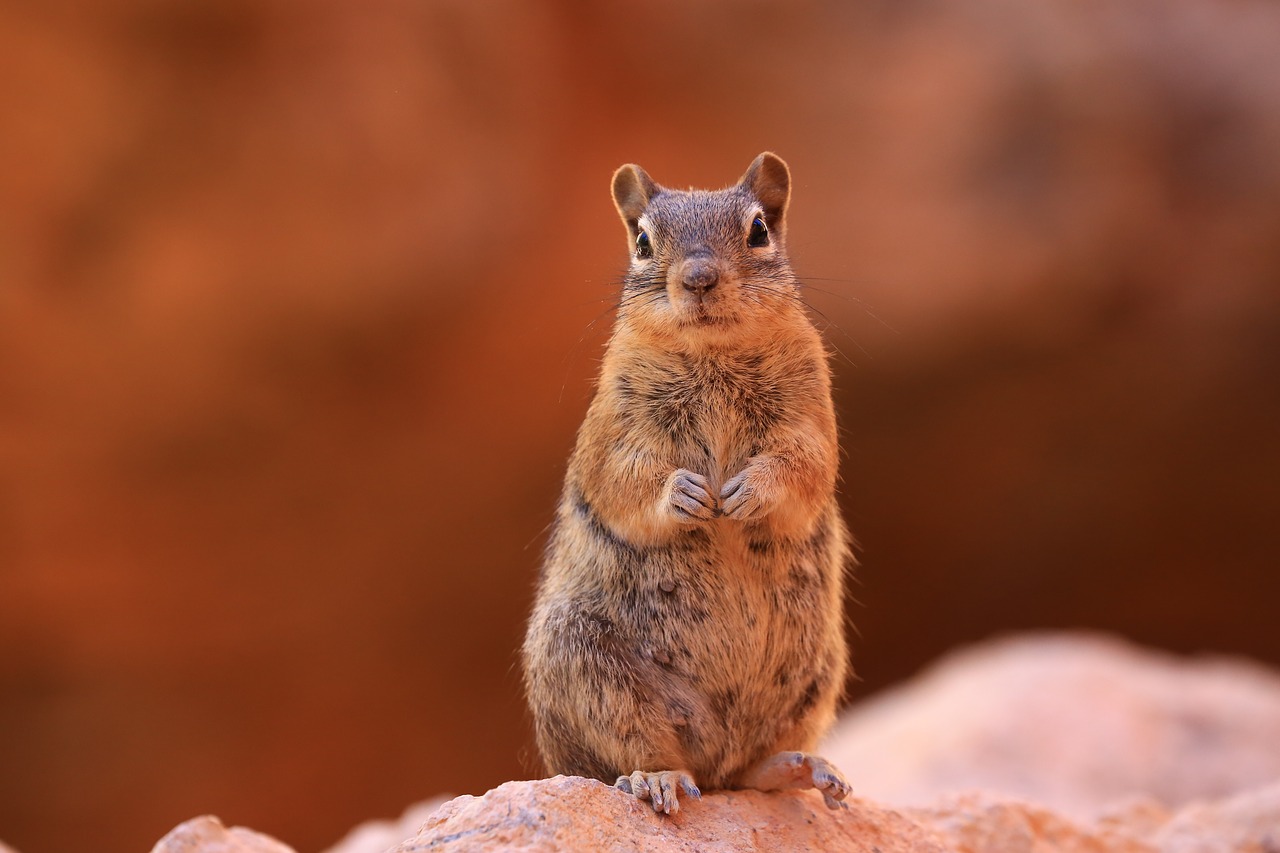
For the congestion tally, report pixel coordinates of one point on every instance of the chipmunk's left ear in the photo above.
(769, 180)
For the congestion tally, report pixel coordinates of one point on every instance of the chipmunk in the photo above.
(687, 631)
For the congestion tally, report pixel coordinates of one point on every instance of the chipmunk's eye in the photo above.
(644, 248)
(759, 234)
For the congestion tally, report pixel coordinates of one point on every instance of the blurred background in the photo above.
(300, 305)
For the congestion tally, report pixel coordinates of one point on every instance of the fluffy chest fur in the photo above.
(711, 413)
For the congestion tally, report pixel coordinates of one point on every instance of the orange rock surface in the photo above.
(570, 813)
(1077, 723)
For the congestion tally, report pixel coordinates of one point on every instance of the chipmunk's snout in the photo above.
(699, 275)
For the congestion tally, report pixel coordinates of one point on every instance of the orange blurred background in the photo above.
(300, 305)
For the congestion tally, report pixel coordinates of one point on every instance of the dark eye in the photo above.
(759, 235)
(644, 249)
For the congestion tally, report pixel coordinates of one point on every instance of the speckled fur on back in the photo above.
(689, 611)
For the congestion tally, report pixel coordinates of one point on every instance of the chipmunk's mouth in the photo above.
(700, 309)
(701, 316)
(697, 311)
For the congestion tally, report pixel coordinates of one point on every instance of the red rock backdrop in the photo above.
(299, 305)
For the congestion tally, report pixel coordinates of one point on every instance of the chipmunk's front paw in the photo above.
(689, 497)
(742, 498)
(659, 788)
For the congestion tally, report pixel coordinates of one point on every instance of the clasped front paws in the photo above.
(689, 497)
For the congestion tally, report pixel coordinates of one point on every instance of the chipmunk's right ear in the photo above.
(769, 180)
(632, 189)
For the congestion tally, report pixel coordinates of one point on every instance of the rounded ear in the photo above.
(769, 180)
(632, 189)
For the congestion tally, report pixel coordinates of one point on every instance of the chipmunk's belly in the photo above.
(739, 626)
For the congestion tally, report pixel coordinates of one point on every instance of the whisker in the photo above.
(832, 324)
(567, 362)
(848, 297)
(796, 296)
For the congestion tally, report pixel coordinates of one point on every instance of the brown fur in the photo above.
(687, 628)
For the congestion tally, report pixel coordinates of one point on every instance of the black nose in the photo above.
(700, 276)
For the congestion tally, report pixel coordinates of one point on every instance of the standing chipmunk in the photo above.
(688, 623)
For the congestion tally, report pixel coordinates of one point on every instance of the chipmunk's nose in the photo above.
(700, 275)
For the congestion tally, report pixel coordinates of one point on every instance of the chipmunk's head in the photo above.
(705, 264)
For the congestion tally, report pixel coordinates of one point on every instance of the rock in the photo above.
(1075, 722)
(208, 835)
(376, 836)
(1247, 822)
(570, 813)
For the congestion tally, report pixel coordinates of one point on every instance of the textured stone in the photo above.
(208, 835)
(376, 836)
(1246, 822)
(570, 813)
(1078, 723)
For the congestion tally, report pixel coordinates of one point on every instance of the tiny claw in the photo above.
(660, 789)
